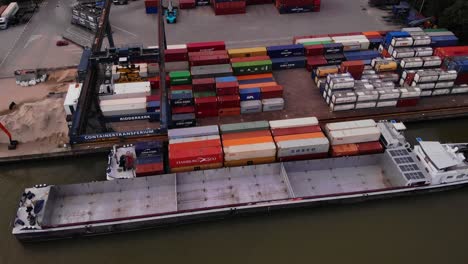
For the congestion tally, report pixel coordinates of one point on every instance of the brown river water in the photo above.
(420, 229)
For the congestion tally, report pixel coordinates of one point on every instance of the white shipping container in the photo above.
(426, 92)
(412, 29)
(459, 90)
(124, 112)
(357, 135)
(410, 92)
(304, 40)
(351, 45)
(193, 139)
(441, 92)
(423, 52)
(341, 83)
(444, 84)
(338, 75)
(367, 96)
(421, 40)
(123, 104)
(273, 104)
(424, 86)
(367, 72)
(432, 61)
(411, 63)
(294, 122)
(362, 105)
(448, 75)
(386, 103)
(402, 42)
(350, 125)
(403, 53)
(249, 151)
(177, 46)
(71, 99)
(341, 107)
(303, 147)
(193, 132)
(389, 94)
(121, 96)
(132, 87)
(426, 76)
(252, 106)
(343, 98)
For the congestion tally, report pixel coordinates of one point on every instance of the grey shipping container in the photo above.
(207, 71)
(273, 104)
(253, 106)
(245, 126)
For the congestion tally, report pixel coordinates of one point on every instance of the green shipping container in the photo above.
(204, 94)
(252, 67)
(180, 77)
(317, 42)
(244, 127)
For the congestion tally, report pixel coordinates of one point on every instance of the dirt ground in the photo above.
(38, 119)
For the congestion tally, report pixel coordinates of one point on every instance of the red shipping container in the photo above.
(314, 50)
(195, 156)
(209, 60)
(304, 157)
(204, 84)
(275, 91)
(295, 130)
(250, 59)
(207, 53)
(370, 148)
(249, 134)
(151, 3)
(344, 150)
(407, 102)
(219, 11)
(154, 81)
(176, 55)
(149, 169)
(385, 53)
(186, 4)
(152, 98)
(410, 77)
(317, 8)
(183, 110)
(228, 101)
(227, 88)
(180, 87)
(210, 102)
(293, 3)
(233, 111)
(462, 78)
(206, 112)
(444, 52)
(315, 61)
(206, 46)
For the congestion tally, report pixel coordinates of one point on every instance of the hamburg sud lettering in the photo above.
(198, 160)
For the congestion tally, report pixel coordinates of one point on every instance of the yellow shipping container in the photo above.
(247, 52)
(246, 162)
(197, 167)
(386, 66)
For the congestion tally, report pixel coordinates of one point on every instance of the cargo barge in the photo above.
(66, 211)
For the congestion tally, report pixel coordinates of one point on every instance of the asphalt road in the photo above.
(33, 45)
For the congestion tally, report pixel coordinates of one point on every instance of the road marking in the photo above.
(123, 30)
(31, 39)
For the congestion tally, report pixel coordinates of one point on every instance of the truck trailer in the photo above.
(8, 14)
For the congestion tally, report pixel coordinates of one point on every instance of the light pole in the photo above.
(422, 5)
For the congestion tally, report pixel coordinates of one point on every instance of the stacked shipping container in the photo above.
(149, 158)
(181, 99)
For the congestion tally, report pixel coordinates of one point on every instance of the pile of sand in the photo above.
(65, 75)
(39, 121)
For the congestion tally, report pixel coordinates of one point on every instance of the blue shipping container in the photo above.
(285, 51)
(182, 102)
(151, 10)
(262, 80)
(361, 55)
(334, 59)
(250, 94)
(151, 116)
(226, 79)
(332, 48)
(288, 63)
(444, 41)
(153, 104)
(374, 43)
(149, 160)
(395, 34)
(186, 94)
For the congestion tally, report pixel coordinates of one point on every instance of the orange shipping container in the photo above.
(230, 111)
(257, 85)
(195, 145)
(199, 167)
(255, 76)
(246, 141)
(246, 162)
(372, 34)
(300, 136)
(344, 150)
(250, 134)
